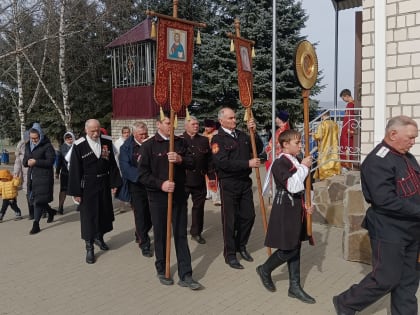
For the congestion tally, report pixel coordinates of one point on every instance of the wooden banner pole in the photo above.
(305, 96)
(258, 178)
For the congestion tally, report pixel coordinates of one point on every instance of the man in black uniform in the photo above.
(232, 157)
(93, 175)
(390, 178)
(129, 157)
(195, 184)
(154, 173)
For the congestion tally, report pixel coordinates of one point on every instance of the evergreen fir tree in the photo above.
(216, 76)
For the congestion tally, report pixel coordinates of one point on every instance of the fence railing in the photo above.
(348, 149)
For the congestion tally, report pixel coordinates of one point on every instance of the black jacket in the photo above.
(391, 184)
(200, 149)
(154, 164)
(41, 175)
(231, 156)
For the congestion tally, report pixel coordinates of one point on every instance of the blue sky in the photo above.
(320, 29)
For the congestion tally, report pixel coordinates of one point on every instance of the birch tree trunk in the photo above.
(62, 70)
(20, 105)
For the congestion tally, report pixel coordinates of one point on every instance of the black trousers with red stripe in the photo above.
(393, 271)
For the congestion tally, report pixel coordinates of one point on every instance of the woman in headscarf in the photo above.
(39, 158)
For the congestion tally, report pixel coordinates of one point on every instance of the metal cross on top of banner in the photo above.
(173, 82)
(244, 52)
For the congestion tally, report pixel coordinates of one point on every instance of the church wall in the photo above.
(402, 35)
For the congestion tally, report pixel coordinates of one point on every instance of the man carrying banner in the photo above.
(153, 168)
(232, 157)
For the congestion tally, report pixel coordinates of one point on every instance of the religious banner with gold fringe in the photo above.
(173, 84)
(173, 77)
(244, 53)
(244, 63)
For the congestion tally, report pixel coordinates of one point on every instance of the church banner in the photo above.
(244, 65)
(173, 77)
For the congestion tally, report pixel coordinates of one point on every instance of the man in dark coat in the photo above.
(195, 184)
(390, 177)
(232, 157)
(154, 174)
(129, 157)
(93, 175)
(39, 158)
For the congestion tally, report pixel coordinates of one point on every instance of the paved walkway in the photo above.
(47, 274)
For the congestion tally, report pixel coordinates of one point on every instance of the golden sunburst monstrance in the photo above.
(306, 64)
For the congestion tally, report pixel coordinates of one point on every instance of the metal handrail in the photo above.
(354, 151)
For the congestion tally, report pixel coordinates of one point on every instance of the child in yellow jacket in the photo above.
(9, 190)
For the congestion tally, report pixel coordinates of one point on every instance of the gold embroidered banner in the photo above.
(244, 64)
(173, 78)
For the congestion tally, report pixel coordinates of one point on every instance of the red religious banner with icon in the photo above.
(175, 47)
(244, 63)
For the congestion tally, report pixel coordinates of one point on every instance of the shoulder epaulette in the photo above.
(147, 139)
(382, 152)
(106, 137)
(80, 140)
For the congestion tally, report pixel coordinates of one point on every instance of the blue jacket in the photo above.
(128, 170)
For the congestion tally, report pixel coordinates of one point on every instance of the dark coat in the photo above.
(129, 170)
(391, 184)
(200, 149)
(92, 179)
(41, 175)
(154, 165)
(231, 156)
(287, 223)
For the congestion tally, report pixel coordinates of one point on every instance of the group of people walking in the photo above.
(390, 183)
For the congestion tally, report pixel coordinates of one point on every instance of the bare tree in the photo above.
(62, 71)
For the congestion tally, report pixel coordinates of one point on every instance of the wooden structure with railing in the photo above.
(353, 152)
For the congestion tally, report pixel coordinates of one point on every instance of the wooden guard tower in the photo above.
(133, 59)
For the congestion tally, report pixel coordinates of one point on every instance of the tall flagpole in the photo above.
(273, 90)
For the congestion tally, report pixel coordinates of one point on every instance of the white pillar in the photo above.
(380, 71)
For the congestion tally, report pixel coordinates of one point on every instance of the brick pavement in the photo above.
(47, 274)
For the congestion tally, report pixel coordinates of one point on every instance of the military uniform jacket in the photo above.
(231, 156)
(391, 184)
(200, 149)
(92, 179)
(287, 223)
(154, 164)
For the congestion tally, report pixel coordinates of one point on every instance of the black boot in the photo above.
(51, 214)
(99, 241)
(295, 290)
(264, 270)
(35, 228)
(90, 254)
(31, 212)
